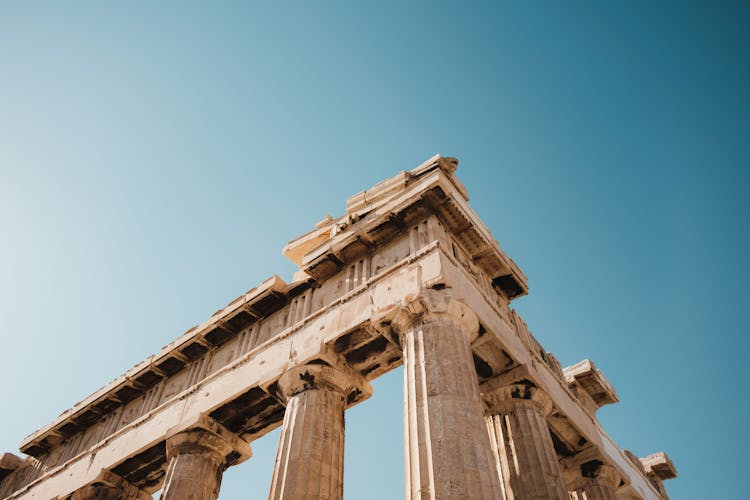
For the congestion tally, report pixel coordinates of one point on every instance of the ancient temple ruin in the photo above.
(409, 275)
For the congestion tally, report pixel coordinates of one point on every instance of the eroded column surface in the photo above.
(109, 486)
(197, 459)
(310, 457)
(596, 482)
(525, 454)
(447, 451)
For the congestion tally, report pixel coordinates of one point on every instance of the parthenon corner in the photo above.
(408, 276)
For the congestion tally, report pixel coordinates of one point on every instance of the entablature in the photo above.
(389, 209)
(660, 465)
(410, 233)
(590, 385)
(242, 312)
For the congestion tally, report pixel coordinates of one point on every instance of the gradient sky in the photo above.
(156, 157)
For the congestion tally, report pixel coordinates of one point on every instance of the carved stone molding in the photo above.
(595, 481)
(441, 393)
(435, 306)
(310, 458)
(205, 434)
(659, 468)
(500, 400)
(405, 276)
(349, 384)
(525, 455)
(197, 457)
(109, 486)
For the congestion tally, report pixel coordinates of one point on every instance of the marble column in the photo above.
(597, 482)
(197, 458)
(109, 486)
(525, 454)
(447, 452)
(310, 457)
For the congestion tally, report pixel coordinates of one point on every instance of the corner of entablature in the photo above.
(659, 468)
(448, 165)
(590, 385)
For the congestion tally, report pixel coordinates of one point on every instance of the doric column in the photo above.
(596, 482)
(197, 458)
(447, 453)
(109, 486)
(526, 457)
(310, 457)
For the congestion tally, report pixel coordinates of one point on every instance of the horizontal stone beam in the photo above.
(260, 367)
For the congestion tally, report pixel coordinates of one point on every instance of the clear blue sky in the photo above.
(154, 159)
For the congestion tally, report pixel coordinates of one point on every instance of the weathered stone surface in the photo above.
(197, 459)
(590, 385)
(525, 455)
(593, 480)
(8, 463)
(109, 486)
(659, 468)
(371, 293)
(20, 475)
(310, 458)
(447, 451)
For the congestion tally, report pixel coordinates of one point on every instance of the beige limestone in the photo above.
(109, 486)
(590, 385)
(9, 463)
(659, 468)
(447, 450)
(594, 480)
(310, 458)
(407, 239)
(506, 329)
(197, 459)
(525, 454)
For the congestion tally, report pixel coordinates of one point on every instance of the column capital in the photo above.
(596, 474)
(109, 485)
(350, 384)
(435, 305)
(587, 467)
(206, 436)
(500, 398)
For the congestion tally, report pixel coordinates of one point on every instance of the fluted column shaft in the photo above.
(447, 453)
(310, 457)
(526, 456)
(194, 476)
(197, 459)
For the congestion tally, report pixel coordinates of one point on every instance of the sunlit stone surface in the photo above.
(408, 275)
